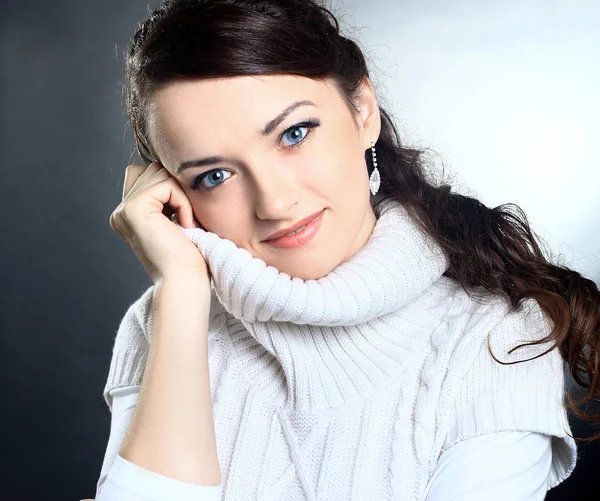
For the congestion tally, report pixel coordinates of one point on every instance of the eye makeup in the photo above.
(309, 124)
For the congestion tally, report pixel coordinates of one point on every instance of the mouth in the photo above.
(297, 235)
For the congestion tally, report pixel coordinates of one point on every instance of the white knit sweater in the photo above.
(351, 386)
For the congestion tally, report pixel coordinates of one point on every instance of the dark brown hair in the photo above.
(489, 249)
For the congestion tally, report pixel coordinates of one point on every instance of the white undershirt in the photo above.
(499, 466)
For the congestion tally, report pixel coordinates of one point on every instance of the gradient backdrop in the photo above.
(505, 93)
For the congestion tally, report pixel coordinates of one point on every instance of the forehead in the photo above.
(231, 101)
(213, 92)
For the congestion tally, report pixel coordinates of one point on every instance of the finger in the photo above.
(133, 175)
(170, 193)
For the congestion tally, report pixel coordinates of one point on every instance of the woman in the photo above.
(407, 342)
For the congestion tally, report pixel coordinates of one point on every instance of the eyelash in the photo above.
(309, 124)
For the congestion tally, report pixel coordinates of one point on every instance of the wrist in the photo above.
(188, 277)
(185, 286)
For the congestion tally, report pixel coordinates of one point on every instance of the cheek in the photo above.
(208, 214)
(229, 224)
(346, 167)
(333, 168)
(345, 175)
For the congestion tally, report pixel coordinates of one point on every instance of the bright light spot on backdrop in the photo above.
(507, 94)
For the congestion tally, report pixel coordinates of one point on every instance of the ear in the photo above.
(370, 117)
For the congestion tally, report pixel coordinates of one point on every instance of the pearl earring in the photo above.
(375, 179)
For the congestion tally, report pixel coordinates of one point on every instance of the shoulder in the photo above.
(495, 386)
(497, 360)
(479, 320)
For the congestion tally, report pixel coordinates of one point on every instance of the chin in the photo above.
(311, 270)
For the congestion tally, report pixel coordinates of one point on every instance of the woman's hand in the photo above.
(142, 220)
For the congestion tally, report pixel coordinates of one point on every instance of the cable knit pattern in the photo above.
(351, 386)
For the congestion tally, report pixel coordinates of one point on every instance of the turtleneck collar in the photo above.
(397, 263)
(317, 344)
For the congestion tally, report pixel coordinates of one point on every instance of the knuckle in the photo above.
(125, 213)
(131, 167)
(112, 220)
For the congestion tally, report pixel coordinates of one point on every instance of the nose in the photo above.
(276, 194)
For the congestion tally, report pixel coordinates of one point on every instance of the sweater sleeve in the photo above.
(510, 465)
(528, 396)
(131, 346)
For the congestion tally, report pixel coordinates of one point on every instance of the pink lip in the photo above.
(294, 227)
(301, 238)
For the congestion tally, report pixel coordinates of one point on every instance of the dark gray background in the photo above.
(68, 279)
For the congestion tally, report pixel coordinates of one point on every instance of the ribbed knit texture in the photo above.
(351, 386)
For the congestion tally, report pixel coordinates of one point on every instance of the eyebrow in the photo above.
(268, 128)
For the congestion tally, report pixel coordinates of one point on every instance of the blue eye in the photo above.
(210, 176)
(308, 125)
(295, 129)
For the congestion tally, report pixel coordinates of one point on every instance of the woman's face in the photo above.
(268, 180)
